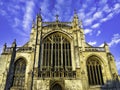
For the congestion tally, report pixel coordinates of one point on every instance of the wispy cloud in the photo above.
(3, 12)
(115, 40)
(28, 16)
(98, 33)
(97, 15)
(92, 43)
(95, 25)
(87, 31)
(93, 14)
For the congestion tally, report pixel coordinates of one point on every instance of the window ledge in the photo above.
(96, 86)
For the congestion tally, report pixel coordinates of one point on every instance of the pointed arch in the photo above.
(94, 70)
(56, 49)
(19, 73)
(68, 36)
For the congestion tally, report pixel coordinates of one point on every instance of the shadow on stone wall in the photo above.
(111, 85)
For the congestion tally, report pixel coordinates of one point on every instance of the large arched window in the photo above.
(19, 73)
(94, 70)
(56, 54)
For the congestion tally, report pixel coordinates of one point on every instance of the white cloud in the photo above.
(115, 40)
(101, 45)
(87, 22)
(117, 6)
(98, 33)
(96, 25)
(109, 16)
(103, 14)
(81, 15)
(92, 43)
(87, 31)
(97, 15)
(28, 15)
(106, 8)
(17, 22)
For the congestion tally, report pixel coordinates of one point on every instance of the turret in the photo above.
(106, 47)
(33, 24)
(39, 19)
(14, 43)
(33, 27)
(4, 47)
(75, 20)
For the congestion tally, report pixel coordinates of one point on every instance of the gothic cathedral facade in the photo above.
(57, 57)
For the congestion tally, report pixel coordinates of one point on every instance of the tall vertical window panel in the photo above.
(94, 70)
(56, 52)
(19, 73)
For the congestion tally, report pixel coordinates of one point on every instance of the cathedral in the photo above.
(57, 57)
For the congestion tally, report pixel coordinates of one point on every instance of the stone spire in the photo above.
(57, 17)
(75, 14)
(106, 47)
(33, 24)
(75, 20)
(4, 47)
(39, 17)
(14, 43)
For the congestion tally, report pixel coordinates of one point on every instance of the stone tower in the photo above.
(57, 57)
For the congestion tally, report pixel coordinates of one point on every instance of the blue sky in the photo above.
(100, 18)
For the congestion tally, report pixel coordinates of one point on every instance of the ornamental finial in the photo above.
(57, 17)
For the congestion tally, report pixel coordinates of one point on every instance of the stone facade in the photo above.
(84, 68)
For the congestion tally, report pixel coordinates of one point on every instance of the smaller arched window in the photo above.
(94, 71)
(19, 73)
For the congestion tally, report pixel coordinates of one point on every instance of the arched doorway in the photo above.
(56, 87)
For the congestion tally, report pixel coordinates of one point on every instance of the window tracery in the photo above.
(94, 70)
(19, 73)
(56, 56)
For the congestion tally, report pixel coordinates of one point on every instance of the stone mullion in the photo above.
(41, 66)
(58, 52)
(45, 54)
(93, 75)
(55, 53)
(52, 53)
(68, 55)
(62, 74)
(89, 73)
(52, 56)
(61, 52)
(99, 75)
(48, 50)
(96, 75)
(65, 56)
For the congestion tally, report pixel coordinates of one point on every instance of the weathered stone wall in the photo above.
(73, 85)
(41, 85)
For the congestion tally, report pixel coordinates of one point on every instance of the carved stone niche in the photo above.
(57, 83)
